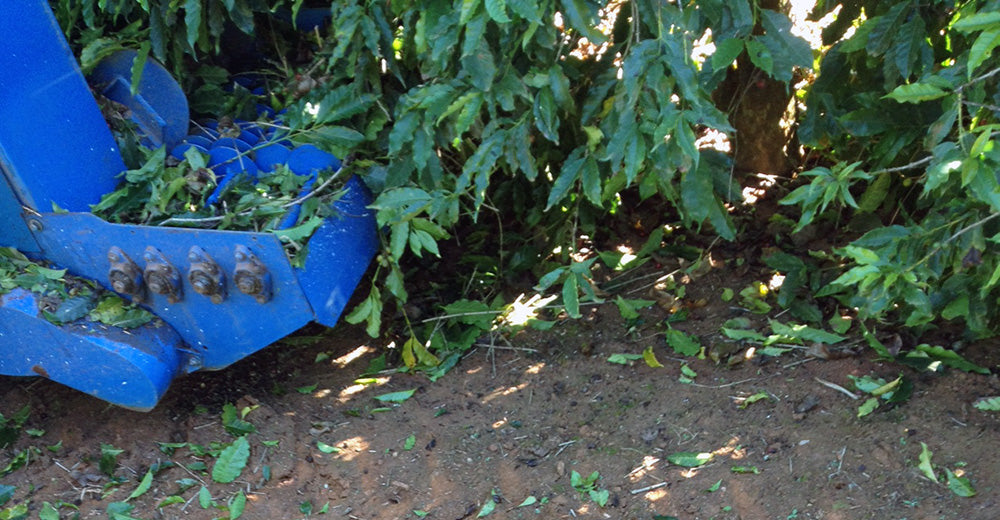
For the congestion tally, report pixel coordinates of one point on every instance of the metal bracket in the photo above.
(251, 277)
(206, 277)
(125, 276)
(161, 277)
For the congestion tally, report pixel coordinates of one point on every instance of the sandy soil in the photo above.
(510, 426)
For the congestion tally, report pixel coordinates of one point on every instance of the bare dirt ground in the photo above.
(510, 427)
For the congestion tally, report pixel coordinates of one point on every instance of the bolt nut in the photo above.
(202, 283)
(249, 284)
(122, 283)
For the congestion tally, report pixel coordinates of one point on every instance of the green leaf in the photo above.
(236, 505)
(868, 407)
(599, 496)
(192, 20)
(307, 389)
(48, 512)
(204, 497)
(299, 233)
(19, 512)
(759, 396)
(172, 499)
(116, 312)
(109, 459)
(395, 397)
(982, 48)
(528, 501)
(978, 22)
(233, 423)
(591, 180)
(742, 334)
(326, 448)
(144, 485)
(682, 343)
(623, 359)
(545, 112)
(925, 465)
(72, 309)
(571, 297)
(726, 53)
(986, 404)
(629, 308)
(959, 485)
(583, 19)
(689, 459)
(916, 93)
(138, 64)
(6, 493)
(487, 508)
(650, 358)
(410, 442)
(497, 10)
(120, 511)
(231, 461)
(568, 175)
(760, 56)
(951, 358)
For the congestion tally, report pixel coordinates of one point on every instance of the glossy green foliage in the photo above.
(548, 110)
(913, 94)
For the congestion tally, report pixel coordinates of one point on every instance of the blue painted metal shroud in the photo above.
(221, 295)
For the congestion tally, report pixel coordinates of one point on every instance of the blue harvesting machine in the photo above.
(219, 296)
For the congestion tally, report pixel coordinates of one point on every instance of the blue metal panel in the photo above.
(339, 253)
(15, 232)
(131, 369)
(219, 333)
(54, 141)
(159, 107)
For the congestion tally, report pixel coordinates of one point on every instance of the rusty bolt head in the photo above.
(249, 284)
(202, 283)
(122, 282)
(157, 283)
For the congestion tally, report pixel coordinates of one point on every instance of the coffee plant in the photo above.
(498, 133)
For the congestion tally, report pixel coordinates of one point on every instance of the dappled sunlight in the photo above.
(360, 385)
(352, 356)
(535, 369)
(753, 193)
(656, 494)
(777, 279)
(640, 472)
(351, 448)
(503, 392)
(522, 311)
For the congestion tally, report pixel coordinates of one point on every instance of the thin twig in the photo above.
(973, 81)
(952, 238)
(838, 388)
(459, 315)
(645, 466)
(563, 447)
(491, 345)
(648, 488)
(734, 383)
(910, 166)
(211, 220)
(982, 105)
